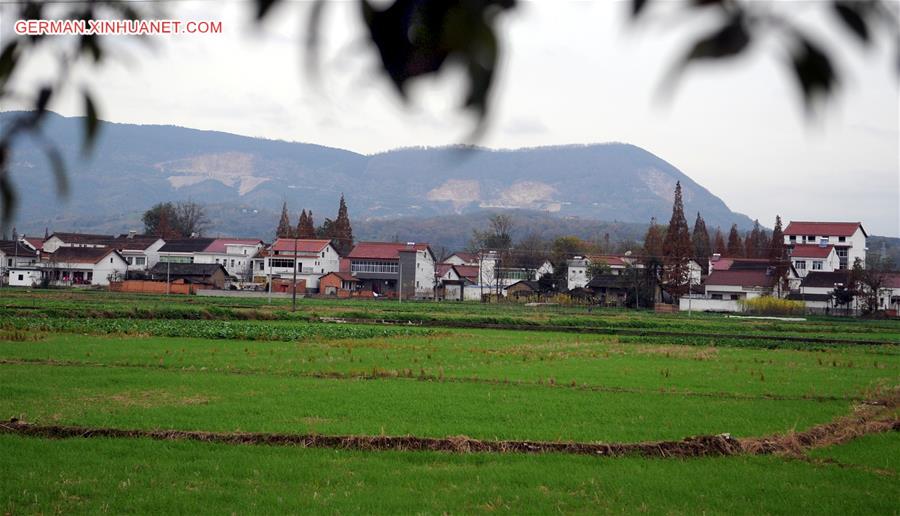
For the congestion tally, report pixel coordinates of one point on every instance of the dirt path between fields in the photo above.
(869, 417)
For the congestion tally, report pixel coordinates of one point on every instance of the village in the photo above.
(820, 266)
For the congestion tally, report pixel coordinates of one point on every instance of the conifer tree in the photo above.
(677, 249)
(719, 243)
(752, 245)
(284, 229)
(735, 247)
(305, 228)
(342, 230)
(653, 256)
(776, 245)
(700, 241)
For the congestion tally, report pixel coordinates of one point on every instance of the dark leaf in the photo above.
(815, 73)
(637, 7)
(7, 191)
(91, 43)
(91, 122)
(263, 7)
(43, 99)
(851, 13)
(727, 41)
(59, 168)
(8, 60)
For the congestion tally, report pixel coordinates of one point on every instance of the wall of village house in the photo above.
(856, 243)
(424, 274)
(310, 268)
(804, 265)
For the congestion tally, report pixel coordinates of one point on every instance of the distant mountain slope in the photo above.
(245, 180)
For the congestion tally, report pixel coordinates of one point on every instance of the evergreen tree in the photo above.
(653, 241)
(735, 247)
(752, 244)
(343, 232)
(700, 240)
(284, 229)
(305, 227)
(719, 243)
(776, 256)
(776, 245)
(677, 250)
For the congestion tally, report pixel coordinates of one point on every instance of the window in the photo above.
(323, 254)
(129, 260)
(800, 264)
(374, 266)
(9, 262)
(817, 265)
(261, 265)
(110, 259)
(793, 238)
(140, 260)
(716, 296)
(282, 263)
(842, 239)
(217, 260)
(21, 277)
(232, 262)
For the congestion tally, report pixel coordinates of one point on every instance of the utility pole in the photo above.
(400, 278)
(168, 269)
(294, 286)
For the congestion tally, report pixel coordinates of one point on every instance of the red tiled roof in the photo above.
(843, 229)
(382, 250)
(811, 251)
(743, 278)
(892, 280)
(286, 245)
(441, 268)
(218, 245)
(346, 276)
(36, 242)
(467, 271)
(82, 238)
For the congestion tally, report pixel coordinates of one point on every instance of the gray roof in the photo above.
(14, 247)
(186, 269)
(186, 245)
(823, 279)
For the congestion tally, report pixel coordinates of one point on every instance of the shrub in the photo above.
(768, 305)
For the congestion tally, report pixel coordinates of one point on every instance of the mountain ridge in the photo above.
(135, 166)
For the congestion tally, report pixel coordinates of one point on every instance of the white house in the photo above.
(14, 253)
(462, 258)
(184, 250)
(57, 240)
(817, 289)
(84, 266)
(140, 251)
(848, 239)
(739, 284)
(25, 276)
(235, 254)
(806, 258)
(312, 259)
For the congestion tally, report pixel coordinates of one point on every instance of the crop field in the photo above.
(124, 403)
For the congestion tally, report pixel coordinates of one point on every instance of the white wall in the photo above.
(424, 274)
(708, 305)
(29, 278)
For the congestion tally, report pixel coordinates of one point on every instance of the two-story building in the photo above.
(394, 268)
(235, 254)
(311, 258)
(807, 258)
(140, 251)
(848, 239)
(183, 250)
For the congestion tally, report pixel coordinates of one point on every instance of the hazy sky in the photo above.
(573, 72)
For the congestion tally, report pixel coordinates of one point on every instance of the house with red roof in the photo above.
(457, 282)
(399, 269)
(462, 258)
(806, 258)
(735, 285)
(309, 258)
(577, 268)
(848, 239)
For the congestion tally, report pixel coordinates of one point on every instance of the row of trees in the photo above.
(339, 230)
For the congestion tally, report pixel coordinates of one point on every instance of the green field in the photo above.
(131, 362)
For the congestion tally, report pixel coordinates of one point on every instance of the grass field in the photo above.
(99, 360)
